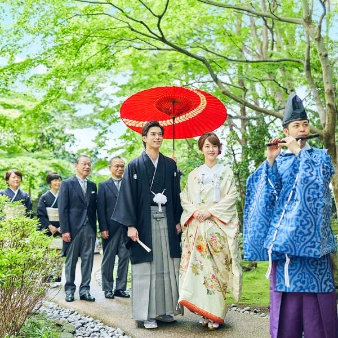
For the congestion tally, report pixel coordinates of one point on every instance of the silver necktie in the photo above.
(117, 183)
(83, 184)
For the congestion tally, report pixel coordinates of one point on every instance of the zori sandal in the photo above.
(203, 321)
(212, 325)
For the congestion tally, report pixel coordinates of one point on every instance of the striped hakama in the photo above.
(155, 284)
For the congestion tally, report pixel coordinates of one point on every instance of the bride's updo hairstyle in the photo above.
(211, 137)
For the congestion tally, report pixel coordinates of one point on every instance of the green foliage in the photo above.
(33, 142)
(25, 262)
(25, 128)
(34, 168)
(37, 327)
(245, 154)
(108, 45)
(255, 287)
(92, 54)
(334, 257)
(334, 225)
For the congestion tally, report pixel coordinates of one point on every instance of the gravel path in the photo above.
(85, 326)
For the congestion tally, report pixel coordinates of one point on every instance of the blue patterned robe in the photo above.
(288, 210)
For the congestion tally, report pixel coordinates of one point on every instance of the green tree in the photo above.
(34, 168)
(36, 141)
(249, 54)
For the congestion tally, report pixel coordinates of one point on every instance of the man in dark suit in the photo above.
(77, 213)
(112, 233)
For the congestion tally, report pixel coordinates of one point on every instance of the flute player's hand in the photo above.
(292, 144)
(273, 151)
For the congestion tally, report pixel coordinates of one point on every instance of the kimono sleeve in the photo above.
(304, 228)
(188, 203)
(262, 190)
(42, 213)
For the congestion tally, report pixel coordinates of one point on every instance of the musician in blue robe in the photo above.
(13, 179)
(287, 221)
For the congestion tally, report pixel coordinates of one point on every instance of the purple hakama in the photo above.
(292, 313)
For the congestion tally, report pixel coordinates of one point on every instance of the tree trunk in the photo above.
(334, 182)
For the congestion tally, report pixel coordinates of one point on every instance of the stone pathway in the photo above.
(108, 314)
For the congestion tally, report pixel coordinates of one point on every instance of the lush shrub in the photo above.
(25, 262)
(38, 327)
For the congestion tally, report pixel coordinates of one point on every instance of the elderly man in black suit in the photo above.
(77, 213)
(112, 233)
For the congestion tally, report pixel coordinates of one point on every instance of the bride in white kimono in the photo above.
(211, 257)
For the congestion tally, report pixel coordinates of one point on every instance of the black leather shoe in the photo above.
(88, 297)
(69, 297)
(109, 294)
(121, 293)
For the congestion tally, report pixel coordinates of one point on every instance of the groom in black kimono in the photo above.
(149, 205)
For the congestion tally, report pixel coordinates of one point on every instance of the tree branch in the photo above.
(253, 61)
(253, 12)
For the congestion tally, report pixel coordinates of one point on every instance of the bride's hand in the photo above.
(201, 216)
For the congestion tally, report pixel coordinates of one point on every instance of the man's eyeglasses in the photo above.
(85, 164)
(118, 166)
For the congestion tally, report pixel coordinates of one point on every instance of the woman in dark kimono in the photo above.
(13, 179)
(47, 212)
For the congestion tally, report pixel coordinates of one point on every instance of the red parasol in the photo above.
(183, 112)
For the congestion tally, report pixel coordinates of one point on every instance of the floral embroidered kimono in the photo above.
(211, 258)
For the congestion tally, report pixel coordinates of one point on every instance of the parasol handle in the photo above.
(173, 135)
(173, 154)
